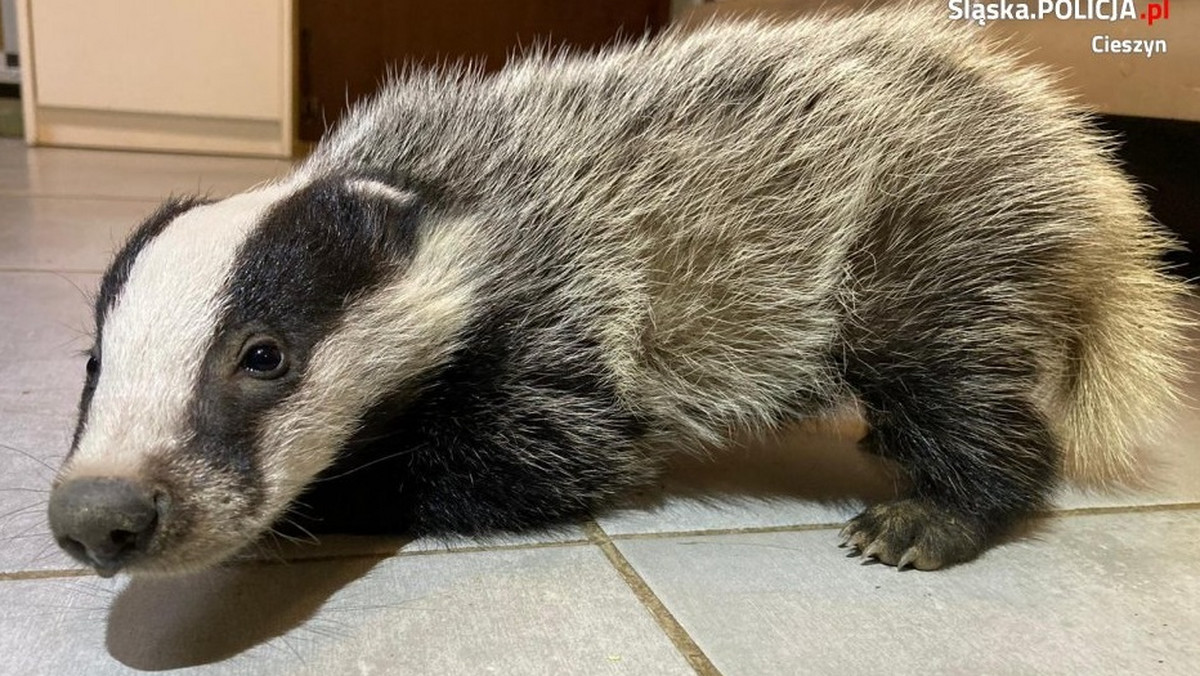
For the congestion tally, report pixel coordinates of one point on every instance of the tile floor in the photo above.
(731, 570)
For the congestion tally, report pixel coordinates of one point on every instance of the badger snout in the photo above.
(105, 522)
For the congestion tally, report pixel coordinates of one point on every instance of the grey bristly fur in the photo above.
(771, 218)
(665, 245)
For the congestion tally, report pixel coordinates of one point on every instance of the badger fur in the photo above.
(498, 302)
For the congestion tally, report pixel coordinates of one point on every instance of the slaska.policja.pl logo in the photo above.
(1148, 13)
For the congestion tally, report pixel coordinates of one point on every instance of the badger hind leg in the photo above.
(979, 453)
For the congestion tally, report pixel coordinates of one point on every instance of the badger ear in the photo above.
(392, 214)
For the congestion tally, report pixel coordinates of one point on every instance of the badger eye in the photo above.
(93, 366)
(263, 360)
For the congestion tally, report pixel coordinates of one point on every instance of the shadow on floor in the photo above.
(165, 623)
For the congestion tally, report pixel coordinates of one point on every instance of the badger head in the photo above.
(237, 346)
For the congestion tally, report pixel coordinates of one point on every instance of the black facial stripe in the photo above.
(522, 427)
(114, 282)
(503, 398)
(292, 279)
(85, 405)
(454, 457)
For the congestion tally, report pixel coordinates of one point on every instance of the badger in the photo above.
(493, 303)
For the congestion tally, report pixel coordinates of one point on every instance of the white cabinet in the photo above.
(182, 75)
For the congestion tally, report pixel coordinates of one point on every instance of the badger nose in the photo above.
(103, 521)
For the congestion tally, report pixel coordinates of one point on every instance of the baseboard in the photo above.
(146, 131)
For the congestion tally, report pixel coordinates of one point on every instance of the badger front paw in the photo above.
(915, 533)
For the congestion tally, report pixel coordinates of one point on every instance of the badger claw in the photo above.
(845, 535)
(913, 534)
(873, 551)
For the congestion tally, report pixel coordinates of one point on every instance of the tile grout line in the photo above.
(48, 271)
(745, 530)
(48, 574)
(830, 525)
(678, 636)
(1119, 509)
(595, 535)
(85, 197)
(18, 575)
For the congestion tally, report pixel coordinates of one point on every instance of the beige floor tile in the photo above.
(126, 175)
(51, 233)
(44, 320)
(1085, 594)
(550, 610)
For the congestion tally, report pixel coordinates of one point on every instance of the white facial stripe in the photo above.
(158, 331)
(407, 327)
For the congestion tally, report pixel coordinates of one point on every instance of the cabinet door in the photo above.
(208, 75)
